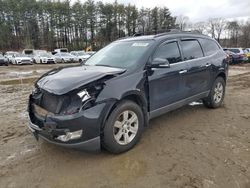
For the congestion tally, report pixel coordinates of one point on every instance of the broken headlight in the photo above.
(84, 95)
(81, 100)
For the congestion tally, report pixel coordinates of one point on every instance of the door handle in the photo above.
(208, 65)
(183, 72)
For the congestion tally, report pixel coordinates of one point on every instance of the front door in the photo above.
(166, 84)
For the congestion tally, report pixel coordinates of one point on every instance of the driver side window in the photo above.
(169, 51)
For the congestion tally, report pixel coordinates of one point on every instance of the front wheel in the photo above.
(123, 128)
(216, 95)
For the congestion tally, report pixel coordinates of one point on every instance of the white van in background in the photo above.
(59, 50)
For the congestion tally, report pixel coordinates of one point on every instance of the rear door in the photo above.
(199, 67)
(166, 84)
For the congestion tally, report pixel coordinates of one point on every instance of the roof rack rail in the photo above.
(137, 34)
(156, 33)
(167, 32)
(193, 31)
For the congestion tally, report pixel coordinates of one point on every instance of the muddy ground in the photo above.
(190, 147)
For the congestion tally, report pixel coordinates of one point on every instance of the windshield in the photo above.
(21, 55)
(45, 55)
(120, 54)
(65, 54)
(80, 53)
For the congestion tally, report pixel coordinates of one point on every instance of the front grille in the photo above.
(25, 61)
(50, 102)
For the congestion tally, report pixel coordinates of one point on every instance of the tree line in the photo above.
(229, 33)
(50, 24)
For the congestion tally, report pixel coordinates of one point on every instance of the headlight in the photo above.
(81, 100)
(84, 95)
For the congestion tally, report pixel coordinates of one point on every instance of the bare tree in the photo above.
(234, 29)
(219, 27)
(201, 27)
(182, 22)
(216, 26)
(245, 37)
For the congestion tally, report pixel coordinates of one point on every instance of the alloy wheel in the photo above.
(218, 92)
(125, 127)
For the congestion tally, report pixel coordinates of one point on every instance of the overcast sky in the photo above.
(198, 10)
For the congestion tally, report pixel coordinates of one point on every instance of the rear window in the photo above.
(28, 52)
(191, 49)
(63, 50)
(234, 50)
(209, 46)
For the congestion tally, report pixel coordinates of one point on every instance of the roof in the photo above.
(165, 35)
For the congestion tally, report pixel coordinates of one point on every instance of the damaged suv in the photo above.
(108, 101)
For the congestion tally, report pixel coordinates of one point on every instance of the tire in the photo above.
(216, 95)
(113, 138)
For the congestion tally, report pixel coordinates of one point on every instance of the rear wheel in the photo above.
(123, 128)
(216, 95)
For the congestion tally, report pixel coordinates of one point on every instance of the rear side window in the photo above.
(169, 51)
(209, 46)
(191, 49)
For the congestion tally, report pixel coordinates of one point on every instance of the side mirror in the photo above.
(160, 63)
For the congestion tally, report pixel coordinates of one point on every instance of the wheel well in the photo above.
(223, 75)
(134, 98)
(137, 100)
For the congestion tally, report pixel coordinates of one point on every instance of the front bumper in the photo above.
(91, 145)
(24, 63)
(48, 61)
(89, 121)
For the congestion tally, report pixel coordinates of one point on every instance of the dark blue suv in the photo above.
(108, 101)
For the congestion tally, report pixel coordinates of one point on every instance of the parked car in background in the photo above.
(30, 53)
(22, 59)
(247, 52)
(3, 60)
(234, 58)
(83, 56)
(61, 50)
(45, 58)
(239, 51)
(10, 55)
(91, 52)
(64, 57)
(109, 101)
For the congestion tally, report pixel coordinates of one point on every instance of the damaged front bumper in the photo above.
(52, 127)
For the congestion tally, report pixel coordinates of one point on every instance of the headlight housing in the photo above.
(81, 100)
(84, 95)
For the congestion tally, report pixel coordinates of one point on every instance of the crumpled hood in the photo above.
(63, 80)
